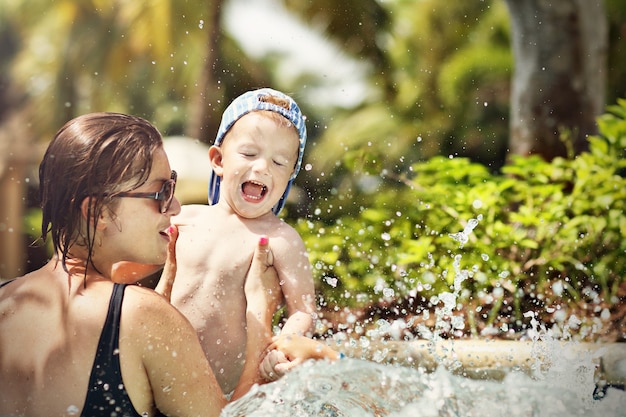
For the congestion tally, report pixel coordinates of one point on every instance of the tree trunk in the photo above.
(18, 153)
(560, 51)
(205, 116)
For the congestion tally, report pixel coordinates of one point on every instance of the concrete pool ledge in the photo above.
(493, 359)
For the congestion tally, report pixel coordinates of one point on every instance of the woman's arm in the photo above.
(263, 296)
(179, 376)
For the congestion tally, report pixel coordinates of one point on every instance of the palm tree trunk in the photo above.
(204, 114)
(560, 50)
(18, 153)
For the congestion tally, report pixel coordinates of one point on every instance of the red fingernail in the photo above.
(170, 230)
(263, 240)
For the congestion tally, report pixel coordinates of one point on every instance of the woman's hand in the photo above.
(164, 287)
(262, 288)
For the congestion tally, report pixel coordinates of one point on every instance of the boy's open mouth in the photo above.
(253, 190)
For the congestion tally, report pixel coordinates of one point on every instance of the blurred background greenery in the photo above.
(389, 87)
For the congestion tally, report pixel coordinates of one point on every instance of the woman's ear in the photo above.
(215, 156)
(87, 209)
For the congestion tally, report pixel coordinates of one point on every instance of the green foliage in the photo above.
(471, 69)
(450, 71)
(540, 235)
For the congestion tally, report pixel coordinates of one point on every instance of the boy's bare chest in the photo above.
(222, 250)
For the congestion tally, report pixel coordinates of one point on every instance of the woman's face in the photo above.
(136, 230)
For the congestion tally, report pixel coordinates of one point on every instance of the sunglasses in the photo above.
(164, 196)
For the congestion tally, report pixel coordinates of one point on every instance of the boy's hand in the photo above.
(269, 369)
(296, 349)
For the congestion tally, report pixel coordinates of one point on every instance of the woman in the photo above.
(75, 342)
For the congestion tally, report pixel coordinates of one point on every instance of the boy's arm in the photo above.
(295, 275)
(291, 261)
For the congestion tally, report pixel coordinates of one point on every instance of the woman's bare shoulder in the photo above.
(149, 307)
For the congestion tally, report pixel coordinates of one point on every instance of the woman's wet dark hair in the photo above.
(92, 156)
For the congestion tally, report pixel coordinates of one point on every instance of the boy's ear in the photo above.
(84, 209)
(215, 156)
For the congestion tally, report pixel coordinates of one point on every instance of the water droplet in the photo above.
(388, 292)
(606, 314)
(331, 281)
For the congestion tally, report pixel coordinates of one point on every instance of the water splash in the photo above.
(463, 237)
(356, 388)
(446, 321)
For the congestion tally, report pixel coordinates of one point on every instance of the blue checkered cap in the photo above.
(244, 104)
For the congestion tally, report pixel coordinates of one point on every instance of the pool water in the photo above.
(361, 388)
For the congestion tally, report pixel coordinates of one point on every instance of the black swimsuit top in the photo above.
(106, 395)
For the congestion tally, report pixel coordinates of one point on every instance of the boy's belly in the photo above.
(223, 339)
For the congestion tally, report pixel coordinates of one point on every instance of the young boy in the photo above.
(256, 156)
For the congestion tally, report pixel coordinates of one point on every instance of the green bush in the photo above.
(540, 237)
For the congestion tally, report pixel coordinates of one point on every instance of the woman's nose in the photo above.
(175, 207)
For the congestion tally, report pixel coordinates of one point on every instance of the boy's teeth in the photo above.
(253, 189)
